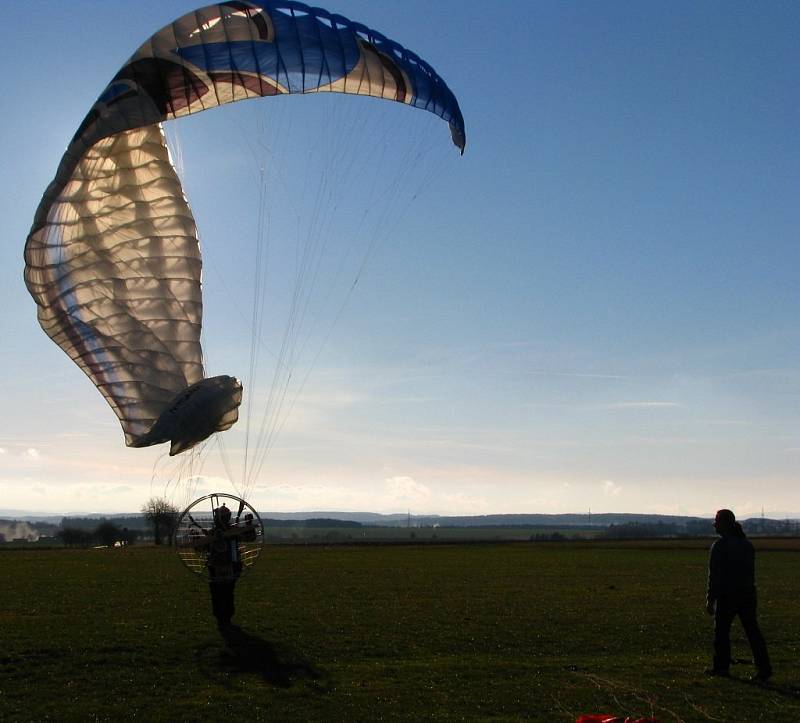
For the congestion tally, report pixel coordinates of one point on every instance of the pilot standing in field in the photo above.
(224, 566)
(732, 592)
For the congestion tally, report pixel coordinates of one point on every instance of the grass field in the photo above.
(304, 533)
(516, 631)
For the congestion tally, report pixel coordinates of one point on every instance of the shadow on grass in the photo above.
(250, 654)
(786, 691)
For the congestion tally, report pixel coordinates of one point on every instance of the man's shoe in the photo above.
(762, 676)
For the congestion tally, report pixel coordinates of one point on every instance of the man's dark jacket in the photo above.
(731, 567)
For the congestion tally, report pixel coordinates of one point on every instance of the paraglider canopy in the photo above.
(113, 259)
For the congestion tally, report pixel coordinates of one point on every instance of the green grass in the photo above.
(489, 632)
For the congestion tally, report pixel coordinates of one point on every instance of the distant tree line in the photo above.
(695, 528)
(158, 519)
(642, 530)
(312, 522)
(157, 522)
(554, 537)
(105, 533)
(132, 522)
(779, 528)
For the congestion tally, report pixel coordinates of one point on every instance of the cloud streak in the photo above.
(640, 405)
(573, 375)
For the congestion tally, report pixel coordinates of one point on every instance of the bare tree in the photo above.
(163, 516)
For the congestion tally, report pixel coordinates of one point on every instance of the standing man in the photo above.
(732, 592)
(224, 566)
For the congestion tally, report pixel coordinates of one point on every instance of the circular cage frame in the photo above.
(196, 526)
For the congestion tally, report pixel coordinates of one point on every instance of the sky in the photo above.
(596, 307)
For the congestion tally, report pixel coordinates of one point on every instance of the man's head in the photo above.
(223, 515)
(724, 522)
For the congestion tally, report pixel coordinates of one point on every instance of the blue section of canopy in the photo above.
(314, 48)
(305, 54)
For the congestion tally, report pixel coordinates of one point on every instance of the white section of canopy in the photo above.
(115, 272)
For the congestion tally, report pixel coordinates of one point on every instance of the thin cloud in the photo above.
(409, 400)
(406, 489)
(325, 398)
(609, 405)
(463, 504)
(573, 375)
(611, 489)
(724, 422)
(771, 372)
(641, 405)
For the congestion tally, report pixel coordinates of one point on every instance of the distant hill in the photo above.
(403, 520)
(510, 520)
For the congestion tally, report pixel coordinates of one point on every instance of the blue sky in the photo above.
(595, 306)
